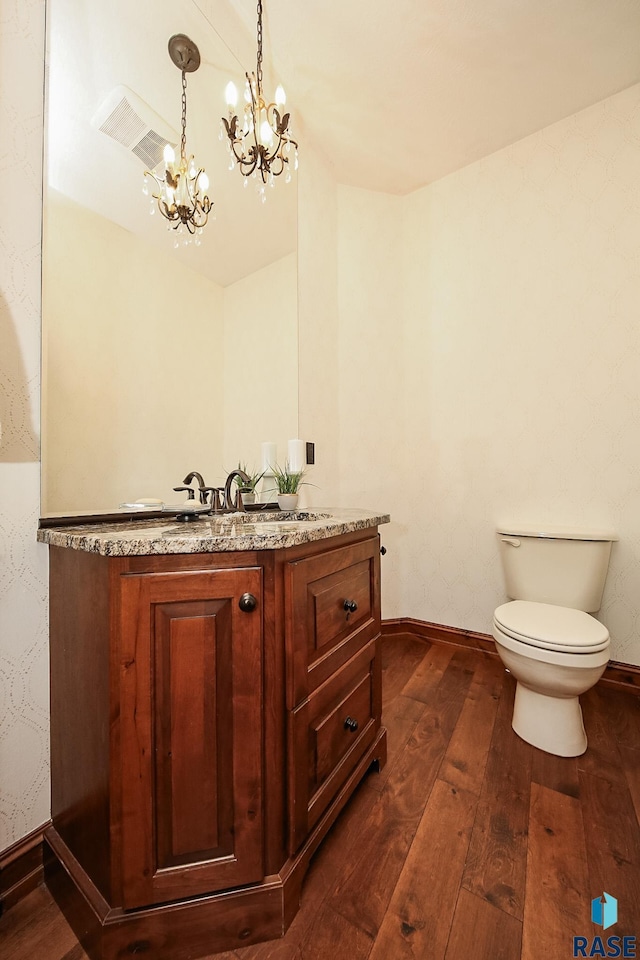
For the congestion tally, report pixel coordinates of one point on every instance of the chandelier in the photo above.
(181, 195)
(260, 142)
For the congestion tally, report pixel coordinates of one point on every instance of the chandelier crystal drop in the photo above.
(181, 195)
(260, 141)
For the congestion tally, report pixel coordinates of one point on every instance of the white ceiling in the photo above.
(402, 93)
(395, 95)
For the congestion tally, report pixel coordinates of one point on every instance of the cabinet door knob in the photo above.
(247, 602)
(350, 606)
(383, 550)
(351, 724)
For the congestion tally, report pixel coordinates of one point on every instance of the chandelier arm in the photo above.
(250, 166)
(277, 173)
(165, 211)
(243, 159)
(280, 129)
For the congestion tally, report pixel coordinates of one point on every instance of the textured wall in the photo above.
(522, 362)
(24, 735)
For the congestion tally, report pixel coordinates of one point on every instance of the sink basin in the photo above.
(257, 517)
(280, 516)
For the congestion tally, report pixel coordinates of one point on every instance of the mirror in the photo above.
(157, 360)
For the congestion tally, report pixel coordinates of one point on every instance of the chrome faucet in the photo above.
(229, 502)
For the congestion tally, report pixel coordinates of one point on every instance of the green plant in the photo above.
(252, 482)
(287, 481)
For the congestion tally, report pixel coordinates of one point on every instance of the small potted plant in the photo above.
(287, 484)
(248, 487)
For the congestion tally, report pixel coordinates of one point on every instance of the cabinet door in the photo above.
(191, 734)
(333, 609)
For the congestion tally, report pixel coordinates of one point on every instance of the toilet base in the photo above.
(553, 724)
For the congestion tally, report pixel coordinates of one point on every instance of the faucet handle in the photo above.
(189, 490)
(215, 492)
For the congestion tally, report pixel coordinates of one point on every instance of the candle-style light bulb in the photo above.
(266, 133)
(281, 97)
(231, 94)
(182, 193)
(169, 154)
(203, 182)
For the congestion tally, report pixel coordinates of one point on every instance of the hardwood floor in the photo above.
(469, 844)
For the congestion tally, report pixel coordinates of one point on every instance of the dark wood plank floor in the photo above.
(469, 844)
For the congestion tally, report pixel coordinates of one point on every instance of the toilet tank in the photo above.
(555, 564)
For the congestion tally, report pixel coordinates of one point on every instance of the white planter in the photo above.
(287, 501)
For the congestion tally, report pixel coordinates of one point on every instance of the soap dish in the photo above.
(142, 505)
(186, 511)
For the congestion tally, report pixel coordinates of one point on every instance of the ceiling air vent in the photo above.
(126, 118)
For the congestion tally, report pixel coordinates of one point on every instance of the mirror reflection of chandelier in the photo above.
(181, 195)
(260, 142)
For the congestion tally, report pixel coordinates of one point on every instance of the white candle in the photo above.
(296, 456)
(269, 456)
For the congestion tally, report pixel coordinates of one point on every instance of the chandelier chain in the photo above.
(183, 138)
(259, 63)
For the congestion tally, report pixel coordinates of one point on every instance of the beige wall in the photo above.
(372, 435)
(260, 363)
(488, 348)
(522, 362)
(24, 691)
(130, 375)
(318, 366)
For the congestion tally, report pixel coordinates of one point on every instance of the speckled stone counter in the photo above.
(207, 534)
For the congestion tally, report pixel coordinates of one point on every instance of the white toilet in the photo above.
(553, 648)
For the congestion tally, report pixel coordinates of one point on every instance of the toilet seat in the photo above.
(551, 627)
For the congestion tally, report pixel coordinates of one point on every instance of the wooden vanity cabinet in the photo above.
(334, 682)
(211, 714)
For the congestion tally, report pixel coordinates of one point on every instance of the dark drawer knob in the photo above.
(351, 724)
(350, 606)
(247, 602)
(383, 550)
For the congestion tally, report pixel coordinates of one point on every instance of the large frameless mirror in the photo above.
(157, 360)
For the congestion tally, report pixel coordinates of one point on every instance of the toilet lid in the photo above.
(551, 627)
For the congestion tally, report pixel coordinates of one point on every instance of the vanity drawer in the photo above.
(329, 733)
(333, 610)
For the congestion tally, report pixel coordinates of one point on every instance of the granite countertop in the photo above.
(207, 534)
